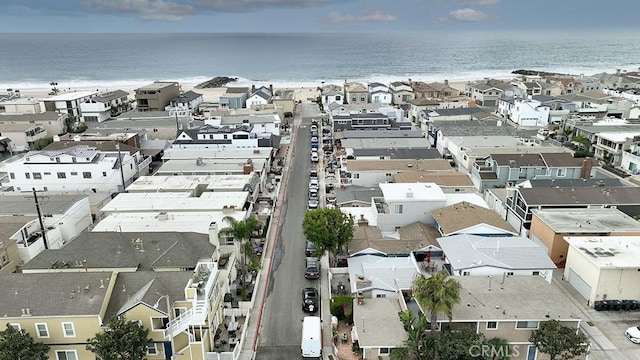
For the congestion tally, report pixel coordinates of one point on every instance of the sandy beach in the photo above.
(209, 95)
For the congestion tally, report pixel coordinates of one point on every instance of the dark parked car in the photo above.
(288, 114)
(312, 268)
(309, 299)
(310, 249)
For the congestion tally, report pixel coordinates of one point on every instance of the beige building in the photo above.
(22, 135)
(550, 227)
(284, 101)
(510, 308)
(604, 267)
(9, 254)
(156, 96)
(449, 181)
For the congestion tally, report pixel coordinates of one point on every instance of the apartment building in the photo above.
(156, 96)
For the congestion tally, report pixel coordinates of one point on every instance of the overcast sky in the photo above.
(81, 16)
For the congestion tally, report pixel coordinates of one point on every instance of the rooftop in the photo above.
(399, 153)
(383, 143)
(400, 165)
(126, 250)
(70, 96)
(357, 193)
(15, 203)
(252, 119)
(359, 134)
(177, 221)
(441, 178)
(576, 221)
(157, 85)
(380, 325)
(9, 225)
(176, 201)
(110, 95)
(464, 215)
(146, 287)
(385, 273)
(581, 196)
(608, 252)
(56, 294)
(538, 159)
(161, 183)
(518, 298)
(412, 192)
(208, 165)
(45, 116)
(505, 252)
(413, 237)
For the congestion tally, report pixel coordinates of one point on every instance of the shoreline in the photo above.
(213, 94)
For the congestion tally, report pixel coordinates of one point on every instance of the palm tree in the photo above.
(436, 295)
(241, 231)
(500, 348)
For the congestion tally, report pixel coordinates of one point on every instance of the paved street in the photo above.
(281, 327)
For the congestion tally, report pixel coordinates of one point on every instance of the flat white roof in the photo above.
(168, 201)
(197, 222)
(484, 141)
(382, 143)
(70, 96)
(618, 137)
(412, 192)
(189, 182)
(192, 153)
(587, 220)
(608, 252)
(471, 198)
(208, 165)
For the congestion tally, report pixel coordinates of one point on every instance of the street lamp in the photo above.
(155, 306)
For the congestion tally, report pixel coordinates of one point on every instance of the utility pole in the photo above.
(120, 160)
(42, 230)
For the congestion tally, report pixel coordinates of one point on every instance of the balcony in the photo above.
(230, 335)
(381, 205)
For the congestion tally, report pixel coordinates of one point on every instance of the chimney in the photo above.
(617, 71)
(446, 82)
(247, 169)
(253, 89)
(362, 221)
(271, 88)
(585, 172)
(214, 238)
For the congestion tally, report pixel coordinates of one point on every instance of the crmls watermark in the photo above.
(490, 351)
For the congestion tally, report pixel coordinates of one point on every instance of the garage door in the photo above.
(579, 284)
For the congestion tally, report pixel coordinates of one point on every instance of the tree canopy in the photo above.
(122, 340)
(436, 294)
(558, 341)
(18, 345)
(242, 231)
(328, 229)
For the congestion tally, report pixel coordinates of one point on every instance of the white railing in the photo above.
(194, 316)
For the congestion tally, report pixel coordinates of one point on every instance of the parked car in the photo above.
(310, 249)
(633, 334)
(288, 114)
(313, 203)
(314, 184)
(313, 194)
(313, 128)
(310, 299)
(312, 268)
(313, 174)
(314, 157)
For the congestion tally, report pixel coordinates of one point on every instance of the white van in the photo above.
(311, 346)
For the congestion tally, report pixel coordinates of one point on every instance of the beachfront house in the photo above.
(419, 105)
(105, 106)
(283, 100)
(19, 106)
(67, 103)
(259, 97)
(187, 101)
(234, 97)
(486, 92)
(379, 93)
(356, 93)
(332, 94)
(401, 92)
(156, 96)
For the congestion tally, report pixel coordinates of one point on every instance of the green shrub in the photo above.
(342, 308)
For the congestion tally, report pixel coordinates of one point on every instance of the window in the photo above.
(527, 325)
(16, 326)
(152, 349)
(158, 323)
(384, 351)
(86, 175)
(379, 296)
(66, 355)
(104, 173)
(356, 176)
(47, 173)
(27, 175)
(12, 175)
(387, 174)
(561, 173)
(531, 352)
(399, 208)
(42, 330)
(68, 329)
(37, 176)
(74, 173)
(465, 273)
(492, 325)
(62, 175)
(536, 273)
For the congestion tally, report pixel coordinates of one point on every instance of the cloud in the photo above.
(465, 15)
(371, 15)
(471, 2)
(166, 10)
(249, 5)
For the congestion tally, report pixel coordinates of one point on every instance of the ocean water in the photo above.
(304, 59)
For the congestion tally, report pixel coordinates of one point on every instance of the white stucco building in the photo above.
(105, 106)
(67, 103)
(76, 168)
(402, 204)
